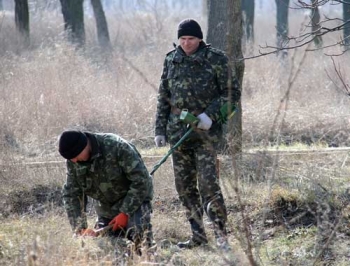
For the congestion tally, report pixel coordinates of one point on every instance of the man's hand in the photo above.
(119, 222)
(86, 232)
(204, 121)
(159, 140)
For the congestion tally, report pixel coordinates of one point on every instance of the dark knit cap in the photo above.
(189, 27)
(72, 143)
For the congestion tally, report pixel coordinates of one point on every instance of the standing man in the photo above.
(110, 170)
(195, 77)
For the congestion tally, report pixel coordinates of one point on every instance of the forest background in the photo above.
(287, 195)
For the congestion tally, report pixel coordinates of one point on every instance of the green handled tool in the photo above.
(188, 119)
(226, 112)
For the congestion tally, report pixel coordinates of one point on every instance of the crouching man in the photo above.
(111, 171)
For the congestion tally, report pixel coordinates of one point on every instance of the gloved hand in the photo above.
(120, 221)
(87, 232)
(159, 140)
(204, 121)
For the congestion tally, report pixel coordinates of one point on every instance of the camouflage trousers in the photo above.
(138, 230)
(197, 184)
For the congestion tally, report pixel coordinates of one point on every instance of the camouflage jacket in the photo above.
(115, 177)
(195, 82)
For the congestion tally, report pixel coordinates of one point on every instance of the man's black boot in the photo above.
(198, 237)
(193, 242)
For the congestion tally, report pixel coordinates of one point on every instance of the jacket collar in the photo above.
(95, 146)
(198, 56)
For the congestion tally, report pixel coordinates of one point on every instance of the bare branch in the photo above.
(302, 42)
(340, 76)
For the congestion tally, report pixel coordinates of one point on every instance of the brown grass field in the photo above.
(288, 196)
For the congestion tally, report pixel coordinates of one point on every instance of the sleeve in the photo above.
(163, 103)
(141, 186)
(74, 201)
(222, 70)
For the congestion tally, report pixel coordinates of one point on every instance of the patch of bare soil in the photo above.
(33, 201)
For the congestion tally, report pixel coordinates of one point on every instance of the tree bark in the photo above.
(235, 53)
(22, 20)
(73, 16)
(225, 33)
(101, 25)
(282, 7)
(217, 23)
(346, 17)
(248, 9)
(315, 21)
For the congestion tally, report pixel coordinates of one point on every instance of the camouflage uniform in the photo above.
(118, 181)
(198, 83)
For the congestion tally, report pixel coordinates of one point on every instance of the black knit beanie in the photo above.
(72, 143)
(189, 27)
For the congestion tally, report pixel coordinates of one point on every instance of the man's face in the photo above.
(83, 156)
(189, 44)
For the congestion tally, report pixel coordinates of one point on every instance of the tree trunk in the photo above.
(346, 17)
(73, 16)
(22, 20)
(282, 25)
(248, 9)
(101, 25)
(225, 33)
(234, 51)
(217, 24)
(315, 21)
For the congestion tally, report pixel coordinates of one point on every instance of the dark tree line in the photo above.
(73, 17)
(22, 20)
(101, 24)
(282, 7)
(248, 10)
(317, 26)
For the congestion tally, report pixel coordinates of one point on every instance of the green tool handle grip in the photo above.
(177, 144)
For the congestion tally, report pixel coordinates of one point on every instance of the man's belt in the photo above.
(177, 111)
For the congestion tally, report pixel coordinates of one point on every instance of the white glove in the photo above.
(160, 141)
(204, 121)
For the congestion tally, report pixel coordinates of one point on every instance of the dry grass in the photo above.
(286, 199)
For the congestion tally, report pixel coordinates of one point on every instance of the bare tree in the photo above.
(318, 28)
(73, 16)
(346, 19)
(22, 20)
(218, 34)
(217, 23)
(248, 9)
(315, 22)
(234, 50)
(101, 24)
(282, 25)
(217, 37)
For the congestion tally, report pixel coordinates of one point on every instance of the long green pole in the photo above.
(171, 151)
